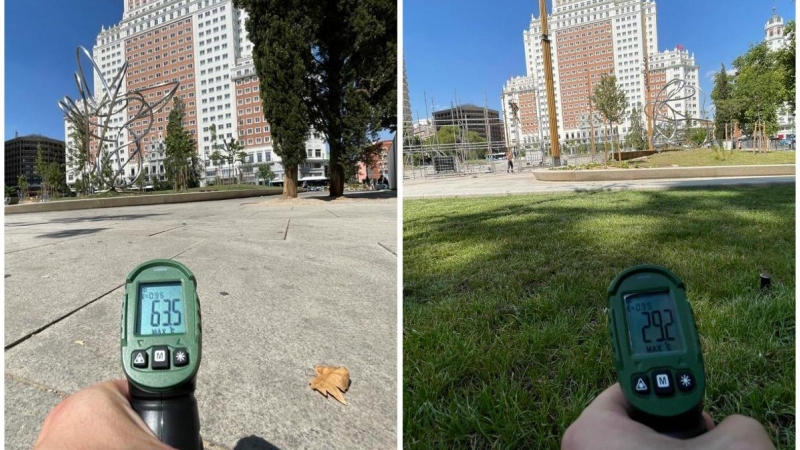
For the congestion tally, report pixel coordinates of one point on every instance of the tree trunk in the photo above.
(290, 181)
(336, 171)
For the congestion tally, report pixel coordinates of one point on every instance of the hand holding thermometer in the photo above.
(160, 343)
(657, 350)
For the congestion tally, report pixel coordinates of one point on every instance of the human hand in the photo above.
(605, 424)
(98, 417)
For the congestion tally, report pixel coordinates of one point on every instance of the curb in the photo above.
(153, 199)
(665, 172)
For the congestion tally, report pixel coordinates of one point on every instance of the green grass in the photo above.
(708, 157)
(505, 329)
(694, 158)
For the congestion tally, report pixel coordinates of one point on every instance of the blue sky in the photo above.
(471, 47)
(40, 41)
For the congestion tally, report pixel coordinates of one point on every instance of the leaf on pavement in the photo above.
(331, 380)
(79, 342)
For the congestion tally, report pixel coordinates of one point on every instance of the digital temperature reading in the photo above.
(161, 309)
(653, 323)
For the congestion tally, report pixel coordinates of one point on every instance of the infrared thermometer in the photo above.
(657, 350)
(160, 345)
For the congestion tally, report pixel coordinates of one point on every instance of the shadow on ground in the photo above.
(254, 443)
(71, 233)
(67, 220)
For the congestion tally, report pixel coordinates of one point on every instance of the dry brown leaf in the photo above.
(331, 380)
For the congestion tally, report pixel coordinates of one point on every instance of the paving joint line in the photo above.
(387, 249)
(334, 215)
(59, 319)
(286, 232)
(164, 231)
(51, 243)
(35, 385)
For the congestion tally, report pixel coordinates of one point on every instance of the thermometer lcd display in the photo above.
(653, 324)
(161, 309)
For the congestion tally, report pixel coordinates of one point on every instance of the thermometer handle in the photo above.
(172, 416)
(685, 426)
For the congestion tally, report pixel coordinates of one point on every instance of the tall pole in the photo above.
(591, 113)
(548, 79)
(647, 117)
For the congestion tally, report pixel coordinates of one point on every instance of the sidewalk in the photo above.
(526, 183)
(284, 285)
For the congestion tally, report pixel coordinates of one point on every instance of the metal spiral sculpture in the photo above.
(94, 115)
(670, 126)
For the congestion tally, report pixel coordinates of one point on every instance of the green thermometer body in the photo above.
(160, 345)
(657, 350)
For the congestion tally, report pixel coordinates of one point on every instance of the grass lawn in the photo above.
(707, 157)
(505, 324)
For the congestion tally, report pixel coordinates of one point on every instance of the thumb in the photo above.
(736, 432)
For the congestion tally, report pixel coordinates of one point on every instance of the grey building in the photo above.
(20, 154)
(473, 118)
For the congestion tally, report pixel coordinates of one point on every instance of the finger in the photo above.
(736, 432)
(612, 400)
(709, 421)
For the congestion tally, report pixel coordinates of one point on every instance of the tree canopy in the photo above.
(330, 65)
(762, 83)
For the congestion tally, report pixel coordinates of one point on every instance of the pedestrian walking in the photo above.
(510, 158)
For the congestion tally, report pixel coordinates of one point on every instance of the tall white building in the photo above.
(776, 39)
(203, 45)
(590, 38)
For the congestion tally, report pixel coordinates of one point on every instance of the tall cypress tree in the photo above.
(721, 95)
(330, 64)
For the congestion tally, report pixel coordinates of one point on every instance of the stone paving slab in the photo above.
(26, 406)
(272, 309)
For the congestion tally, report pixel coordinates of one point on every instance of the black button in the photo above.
(161, 357)
(662, 383)
(180, 358)
(139, 359)
(685, 380)
(640, 383)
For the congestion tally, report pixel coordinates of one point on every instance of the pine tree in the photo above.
(181, 158)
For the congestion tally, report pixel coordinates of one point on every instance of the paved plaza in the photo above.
(526, 182)
(284, 285)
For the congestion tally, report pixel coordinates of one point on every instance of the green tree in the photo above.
(40, 169)
(452, 134)
(265, 173)
(327, 64)
(181, 157)
(610, 101)
(721, 95)
(22, 182)
(636, 138)
(244, 167)
(758, 88)
(697, 136)
(78, 155)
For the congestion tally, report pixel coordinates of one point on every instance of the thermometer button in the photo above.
(685, 380)
(160, 357)
(641, 385)
(662, 383)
